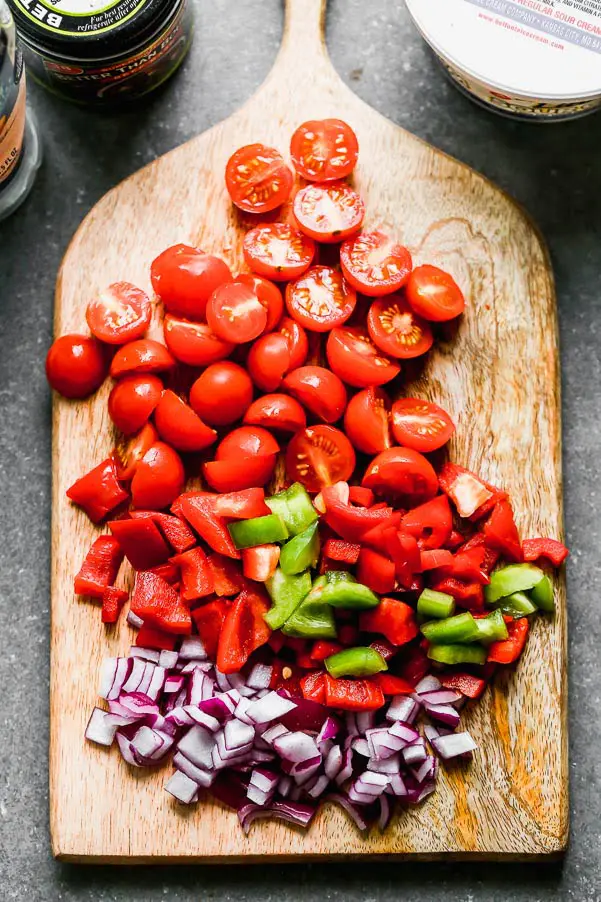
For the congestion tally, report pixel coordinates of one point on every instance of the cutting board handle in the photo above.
(303, 55)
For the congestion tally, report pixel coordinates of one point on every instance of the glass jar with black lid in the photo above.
(101, 52)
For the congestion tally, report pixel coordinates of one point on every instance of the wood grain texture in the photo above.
(498, 376)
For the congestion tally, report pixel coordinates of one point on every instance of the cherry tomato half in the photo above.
(119, 314)
(128, 452)
(236, 314)
(239, 473)
(132, 401)
(246, 441)
(298, 342)
(319, 456)
(421, 425)
(185, 277)
(278, 251)
(75, 365)
(269, 295)
(141, 356)
(354, 357)
(159, 478)
(257, 178)
(374, 263)
(323, 150)
(276, 412)
(320, 299)
(269, 361)
(222, 393)
(367, 421)
(403, 475)
(180, 426)
(397, 330)
(194, 343)
(434, 294)
(329, 213)
(319, 390)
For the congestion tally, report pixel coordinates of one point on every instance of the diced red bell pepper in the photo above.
(113, 600)
(151, 637)
(468, 566)
(403, 549)
(199, 510)
(176, 531)
(98, 492)
(506, 651)
(313, 686)
(298, 645)
(414, 664)
(467, 595)
(260, 562)
(157, 603)
(384, 648)
(431, 560)
(455, 540)
(242, 505)
(417, 585)
(99, 568)
(353, 523)
(546, 550)
(305, 662)
(361, 496)
(196, 575)
(244, 630)
(491, 555)
(472, 496)
(322, 649)
(501, 532)
(393, 619)
(341, 550)
(276, 641)
(374, 537)
(430, 523)
(469, 685)
(326, 564)
(348, 634)
(141, 542)
(376, 571)
(227, 578)
(353, 695)
(209, 619)
(392, 685)
(169, 572)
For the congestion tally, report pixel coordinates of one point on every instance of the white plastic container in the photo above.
(534, 59)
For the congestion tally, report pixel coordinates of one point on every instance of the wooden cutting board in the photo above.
(498, 376)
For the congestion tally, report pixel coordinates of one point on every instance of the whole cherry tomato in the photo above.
(269, 361)
(319, 390)
(276, 412)
(159, 478)
(75, 365)
(185, 277)
(132, 401)
(247, 441)
(222, 393)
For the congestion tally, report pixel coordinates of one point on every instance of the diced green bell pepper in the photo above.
(542, 594)
(348, 594)
(435, 605)
(339, 576)
(312, 619)
(517, 605)
(457, 654)
(355, 662)
(301, 552)
(491, 628)
(294, 507)
(287, 592)
(460, 628)
(511, 579)
(258, 531)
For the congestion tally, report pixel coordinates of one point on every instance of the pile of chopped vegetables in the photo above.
(317, 643)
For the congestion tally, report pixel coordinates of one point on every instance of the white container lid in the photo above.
(545, 49)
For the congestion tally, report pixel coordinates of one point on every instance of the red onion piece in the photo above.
(454, 745)
(352, 810)
(100, 729)
(182, 788)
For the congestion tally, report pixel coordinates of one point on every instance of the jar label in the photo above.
(75, 17)
(12, 129)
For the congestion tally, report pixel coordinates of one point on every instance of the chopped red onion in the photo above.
(350, 722)
(390, 765)
(168, 659)
(453, 745)
(329, 730)
(397, 785)
(445, 713)
(144, 654)
(366, 720)
(346, 770)
(333, 762)
(134, 620)
(135, 677)
(271, 707)
(403, 707)
(404, 731)
(416, 796)
(415, 753)
(361, 746)
(430, 732)
(441, 697)
(174, 684)
(385, 812)
(382, 743)
(124, 747)
(200, 776)
(182, 788)
(156, 683)
(284, 785)
(306, 715)
(192, 647)
(260, 676)
(270, 735)
(296, 747)
(100, 729)
(370, 783)
(360, 798)
(319, 787)
(236, 736)
(294, 813)
(425, 770)
(338, 799)
(200, 717)
(197, 745)
(200, 687)
(428, 684)
(138, 703)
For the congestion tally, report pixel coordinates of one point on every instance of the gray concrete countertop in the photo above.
(553, 170)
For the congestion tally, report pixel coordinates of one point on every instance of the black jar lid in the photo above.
(110, 28)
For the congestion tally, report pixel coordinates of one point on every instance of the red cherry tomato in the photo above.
(367, 421)
(128, 452)
(119, 314)
(141, 356)
(269, 295)
(323, 150)
(320, 299)
(194, 343)
(278, 251)
(269, 361)
(298, 342)
(257, 178)
(434, 294)
(239, 473)
(180, 426)
(402, 474)
(132, 401)
(374, 263)
(276, 412)
(319, 456)
(397, 330)
(421, 425)
(236, 314)
(246, 441)
(222, 393)
(354, 357)
(319, 390)
(329, 213)
(185, 277)
(75, 365)
(159, 478)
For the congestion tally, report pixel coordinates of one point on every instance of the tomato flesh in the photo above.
(402, 474)
(324, 150)
(318, 457)
(222, 393)
(375, 264)
(128, 452)
(367, 421)
(235, 313)
(319, 390)
(276, 411)
(269, 295)
(278, 251)
(75, 365)
(180, 426)
(132, 401)
(269, 360)
(119, 314)
(298, 343)
(194, 343)
(354, 357)
(320, 299)
(397, 330)
(434, 294)
(185, 277)
(420, 424)
(329, 213)
(257, 178)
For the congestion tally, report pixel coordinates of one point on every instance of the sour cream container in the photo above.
(530, 59)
